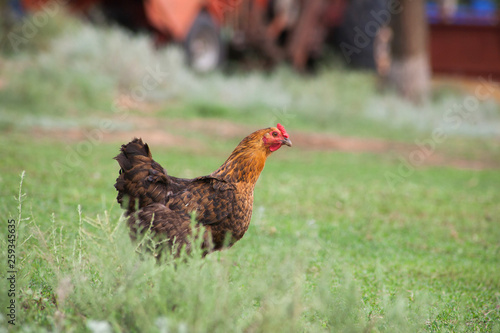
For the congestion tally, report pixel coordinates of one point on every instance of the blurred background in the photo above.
(391, 70)
(265, 33)
(408, 47)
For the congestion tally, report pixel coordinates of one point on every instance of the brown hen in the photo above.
(222, 201)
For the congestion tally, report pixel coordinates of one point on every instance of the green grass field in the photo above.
(333, 246)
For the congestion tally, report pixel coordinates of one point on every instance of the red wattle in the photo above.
(275, 147)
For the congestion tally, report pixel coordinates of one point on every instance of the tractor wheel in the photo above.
(203, 44)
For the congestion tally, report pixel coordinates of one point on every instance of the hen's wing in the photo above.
(211, 199)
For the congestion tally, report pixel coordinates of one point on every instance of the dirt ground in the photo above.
(165, 133)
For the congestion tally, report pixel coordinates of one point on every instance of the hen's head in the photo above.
(274, 137)
(248, 158)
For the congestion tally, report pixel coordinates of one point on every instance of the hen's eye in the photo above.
(275, 134)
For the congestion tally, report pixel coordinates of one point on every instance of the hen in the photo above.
(221, 202)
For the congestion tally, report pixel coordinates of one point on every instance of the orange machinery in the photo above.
(171, 17)
(278, 30)
(195, 23)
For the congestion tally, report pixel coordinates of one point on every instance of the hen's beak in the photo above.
(286, 141)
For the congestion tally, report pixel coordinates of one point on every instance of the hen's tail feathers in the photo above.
(142, 181)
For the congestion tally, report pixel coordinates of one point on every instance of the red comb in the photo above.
(283, 131)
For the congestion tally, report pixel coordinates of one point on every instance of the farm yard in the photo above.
(382, 217)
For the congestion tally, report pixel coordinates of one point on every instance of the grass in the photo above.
(332, 246)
